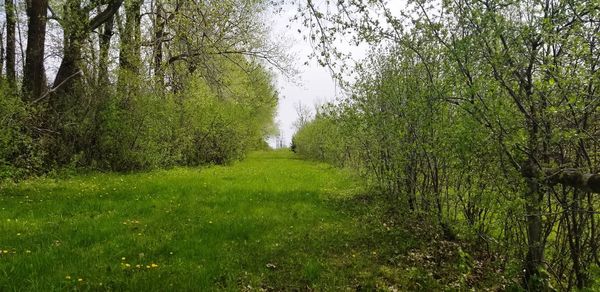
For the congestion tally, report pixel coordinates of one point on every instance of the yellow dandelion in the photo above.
(154, 265)
(68, 277)
(147, 267)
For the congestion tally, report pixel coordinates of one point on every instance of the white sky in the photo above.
(312, 86)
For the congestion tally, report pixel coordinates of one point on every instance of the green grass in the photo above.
(271, 221)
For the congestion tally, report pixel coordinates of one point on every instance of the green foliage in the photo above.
(136, 133)
(135, 127)
(218, 127)
(187, 99)
(20, 155)
(319, 140)
(461, 111)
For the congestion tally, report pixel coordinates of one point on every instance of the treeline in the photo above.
(132, 84)
(484, 115)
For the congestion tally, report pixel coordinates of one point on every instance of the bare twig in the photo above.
(55, 88)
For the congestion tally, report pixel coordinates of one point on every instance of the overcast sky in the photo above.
(312, 86)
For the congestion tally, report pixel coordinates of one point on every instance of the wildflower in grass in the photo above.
(153, 265)
(27, 251)
(80, 280)
(123, 258)
(128, 265)
(68, 277)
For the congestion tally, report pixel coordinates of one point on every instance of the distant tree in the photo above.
(304, 115)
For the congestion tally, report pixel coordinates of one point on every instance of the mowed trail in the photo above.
(272, 221)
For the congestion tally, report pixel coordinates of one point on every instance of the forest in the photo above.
(126, 81)
(481, 114)
(477, 121)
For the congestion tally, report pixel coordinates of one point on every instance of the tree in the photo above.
(129, 54)
(525, 71)
(11, 20)
(77, 25)
(34, 76)
(104, 50)
(2, 49)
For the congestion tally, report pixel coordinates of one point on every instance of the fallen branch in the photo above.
(53, 89)
(589, 182)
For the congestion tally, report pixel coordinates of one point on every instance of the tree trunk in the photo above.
(74, 35)
(1, 50)
(159, 27)
(104, 45)
(129, 54)
(34, 77)
(535, 245)
(11, 20)
(76, 30)
(534, 194)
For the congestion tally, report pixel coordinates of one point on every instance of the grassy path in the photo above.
(270, 222)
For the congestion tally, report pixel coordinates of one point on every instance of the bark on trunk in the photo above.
(159, 27)
(10, 41)
(76, 31)
(1, 50)
(130, 43)
(589, 182)
(104, 45)
(129, 54)
(34, 77)
(534, 196)
(535, 245)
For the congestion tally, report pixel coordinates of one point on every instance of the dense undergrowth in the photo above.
(133, 88)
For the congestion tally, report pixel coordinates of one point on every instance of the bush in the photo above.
(20, 155)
